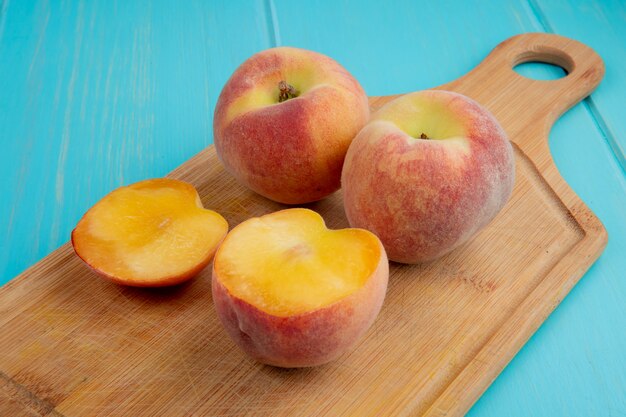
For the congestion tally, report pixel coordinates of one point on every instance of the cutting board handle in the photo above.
(583, 65)
(528, 108)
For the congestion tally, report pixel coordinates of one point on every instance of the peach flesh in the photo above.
(292, 293)
(149, 234)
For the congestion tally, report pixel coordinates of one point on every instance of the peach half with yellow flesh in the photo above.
(292, 293)
(152, 233)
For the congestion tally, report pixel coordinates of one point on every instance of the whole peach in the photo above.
(427, 172)
(284, 121)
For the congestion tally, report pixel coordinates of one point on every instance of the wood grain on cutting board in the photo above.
(77, 345)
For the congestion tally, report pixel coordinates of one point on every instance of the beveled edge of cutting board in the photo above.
(517, 329)
(585, 69)
(509, 338)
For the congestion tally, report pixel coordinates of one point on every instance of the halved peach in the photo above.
(152, 233)
(292, 293)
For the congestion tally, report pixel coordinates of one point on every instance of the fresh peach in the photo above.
(292, 293)
(427, 172)
(284, 121)
(149, 234)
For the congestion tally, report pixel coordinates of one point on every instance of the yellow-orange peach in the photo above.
(149, 234)
(284, 121)
(426, 173)
(292, 293)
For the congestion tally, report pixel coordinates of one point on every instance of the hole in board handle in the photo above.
(543, 63)
(540, 71)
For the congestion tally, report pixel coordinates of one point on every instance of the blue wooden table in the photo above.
(101, 93)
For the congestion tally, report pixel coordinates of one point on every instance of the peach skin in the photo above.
(428, 171)
(284, 121)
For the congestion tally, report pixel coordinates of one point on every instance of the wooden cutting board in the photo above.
(73, 344)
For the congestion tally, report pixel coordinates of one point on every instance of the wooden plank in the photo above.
(97, 94)
(580, 350)
(408, 46)
(602, 25)
(447, 328)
